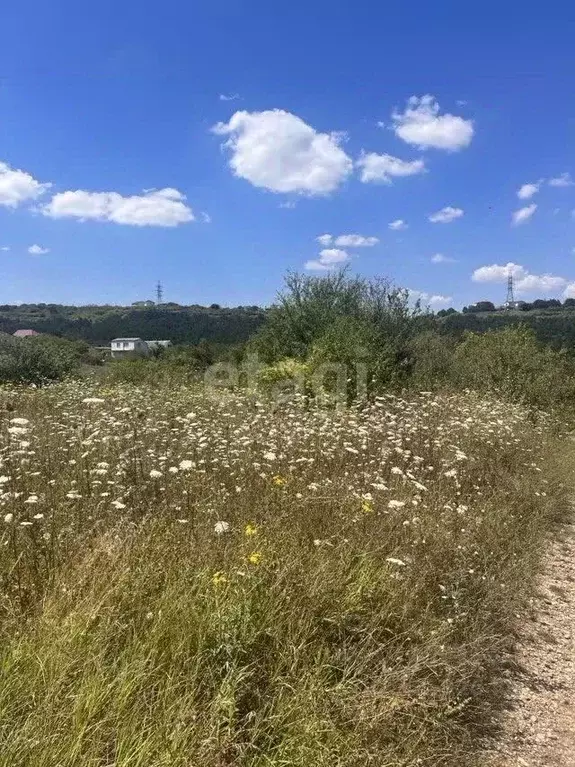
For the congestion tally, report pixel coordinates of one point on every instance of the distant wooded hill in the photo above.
(553, 326)
(100, 324)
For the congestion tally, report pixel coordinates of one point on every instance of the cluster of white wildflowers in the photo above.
(74, 455)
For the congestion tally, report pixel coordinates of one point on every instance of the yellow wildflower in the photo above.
(219, 578)
(367, 506)
(254, 558)
(279, 481)
(250, 530)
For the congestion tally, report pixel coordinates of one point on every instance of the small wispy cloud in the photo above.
(38, 250)
(347, 240)
(439, 258)
(382, 168)
(229, 96)
(523, 214)
(562, 180)
(397, 225)
(355, 241)
(445, 215)
(526, 191)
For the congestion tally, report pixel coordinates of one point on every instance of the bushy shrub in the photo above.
(431, 359)
(512, 364)
(177, 365)
(39, 359)
(285, 375)
(354, 356)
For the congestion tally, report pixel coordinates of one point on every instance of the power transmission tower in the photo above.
(510, 300)
(159, 293)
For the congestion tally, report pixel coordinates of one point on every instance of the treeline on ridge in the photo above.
(98, 325)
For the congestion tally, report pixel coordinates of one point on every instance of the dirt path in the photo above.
(539, 728)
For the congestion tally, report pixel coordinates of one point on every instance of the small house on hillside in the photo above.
(26, 333)
(129, 347)
(135, 347)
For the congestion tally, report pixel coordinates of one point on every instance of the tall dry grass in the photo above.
(190, 578)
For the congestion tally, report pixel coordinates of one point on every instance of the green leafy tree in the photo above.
(309, 306)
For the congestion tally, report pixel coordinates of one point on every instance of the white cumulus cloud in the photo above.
(430, 299)
(445, 215)
(524, 281)
(498, 273)
(329, 258)
(156, 207)
(562, 180)
(527, 191)
(382, 168)
(546, 283)
(422, 125)
(17, 186)
(38, 250)
(325, 240)
(397, 225)
(523, 214)
(278, 151)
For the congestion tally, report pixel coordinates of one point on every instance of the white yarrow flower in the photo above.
(395, 561)
(221, 527)
(155, 474)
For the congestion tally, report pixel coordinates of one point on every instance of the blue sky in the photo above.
(315, 136)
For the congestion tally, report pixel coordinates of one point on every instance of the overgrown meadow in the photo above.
(201, 577)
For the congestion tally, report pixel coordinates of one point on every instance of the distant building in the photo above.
(144, 304)
(129, 347)
(135, 347)
(26, 333)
